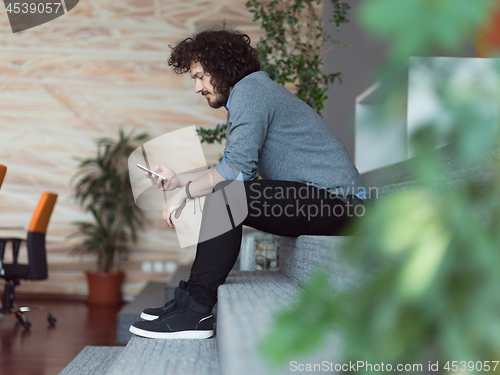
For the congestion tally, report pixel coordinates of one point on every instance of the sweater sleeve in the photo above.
(248, 121)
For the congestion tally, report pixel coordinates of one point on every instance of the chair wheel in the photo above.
(20, 319)
(51, 320)
(26, 325)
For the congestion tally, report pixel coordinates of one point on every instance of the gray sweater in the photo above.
(274, 133)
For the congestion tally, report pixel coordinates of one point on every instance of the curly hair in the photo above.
(225, 54)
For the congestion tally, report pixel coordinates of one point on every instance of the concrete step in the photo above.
(405, 171)
(92, 360)
(300, 257)
(484, 175)
(160, 357)
(401, 176)
(247, 302)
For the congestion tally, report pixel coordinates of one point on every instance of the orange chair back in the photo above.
(3, 170)
(41, 216)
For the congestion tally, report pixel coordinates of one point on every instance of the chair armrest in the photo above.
(2, 250)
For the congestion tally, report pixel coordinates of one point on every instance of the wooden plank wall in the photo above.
(82, 76)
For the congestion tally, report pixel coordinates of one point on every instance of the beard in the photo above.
(216, 100)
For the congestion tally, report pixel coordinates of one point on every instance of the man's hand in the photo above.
(175, 204)
(172, 180)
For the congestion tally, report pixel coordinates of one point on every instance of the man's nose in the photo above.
(198, 87)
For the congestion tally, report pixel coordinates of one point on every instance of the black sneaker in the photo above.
(187, 319)
(155, 312)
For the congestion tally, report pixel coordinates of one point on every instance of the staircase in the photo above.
(246, 304)
(248, 300)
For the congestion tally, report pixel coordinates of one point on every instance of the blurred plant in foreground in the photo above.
(433, 248)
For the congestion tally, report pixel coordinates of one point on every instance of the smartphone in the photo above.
(150, 171)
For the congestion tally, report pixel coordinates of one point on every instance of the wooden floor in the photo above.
(46, 350)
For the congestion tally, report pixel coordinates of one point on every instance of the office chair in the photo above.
(3, 170)
(36, 269)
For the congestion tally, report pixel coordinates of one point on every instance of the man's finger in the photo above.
(169, 220)
(166, 216)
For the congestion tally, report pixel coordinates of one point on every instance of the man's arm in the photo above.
(174, 180)
(202, 185)
(184, 177)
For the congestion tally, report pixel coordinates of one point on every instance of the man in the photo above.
(309, 184)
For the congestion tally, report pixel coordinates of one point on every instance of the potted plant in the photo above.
(102, 187)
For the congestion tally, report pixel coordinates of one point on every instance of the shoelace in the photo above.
(169, 305)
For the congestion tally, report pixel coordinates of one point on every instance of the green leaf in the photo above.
(102, 187)
(417, 27)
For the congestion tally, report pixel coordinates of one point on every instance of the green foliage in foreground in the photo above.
(420, 27)
(433, 259)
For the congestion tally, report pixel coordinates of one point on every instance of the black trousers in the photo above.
(284, 208)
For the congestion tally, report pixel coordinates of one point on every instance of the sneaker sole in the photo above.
(145, 316)
(172, 335)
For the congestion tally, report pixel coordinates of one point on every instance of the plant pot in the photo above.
(104, 287)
